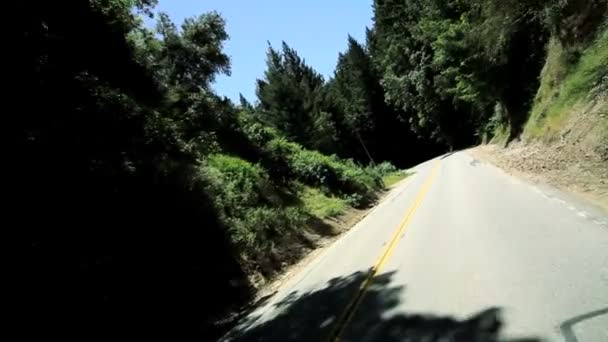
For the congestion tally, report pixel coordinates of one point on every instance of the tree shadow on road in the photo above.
(312, 316)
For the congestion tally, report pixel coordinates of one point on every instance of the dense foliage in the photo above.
(459, 69)
(149, 202)
(120, 225)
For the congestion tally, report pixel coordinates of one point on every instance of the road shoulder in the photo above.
(581, 178)
(586, 202)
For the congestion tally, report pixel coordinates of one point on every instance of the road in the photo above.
(452, 252)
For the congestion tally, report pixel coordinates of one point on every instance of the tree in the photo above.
(405, 56)
(291, 96)
(447, 63)
(369, 129)
(354, 91)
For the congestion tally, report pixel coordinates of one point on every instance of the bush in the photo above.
(234, 182)
(354, 179)
(245, 200)
(384, 168)
(355, 200)
(258, 133)
(259, 228)
(276, 159)
(313, 168)
(287, 162)
(335, 176)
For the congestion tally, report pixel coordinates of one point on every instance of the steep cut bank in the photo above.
(565, 140)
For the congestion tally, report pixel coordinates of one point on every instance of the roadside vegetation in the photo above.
(395, 177)
(567, 84)
(168, 202)
(322, 205)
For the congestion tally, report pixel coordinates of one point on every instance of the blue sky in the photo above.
(317, 29)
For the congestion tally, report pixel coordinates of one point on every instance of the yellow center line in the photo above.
(353, 305)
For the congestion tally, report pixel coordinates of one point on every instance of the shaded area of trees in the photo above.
(122, 238)
(311, 316)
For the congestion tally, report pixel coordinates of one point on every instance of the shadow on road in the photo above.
(312, 316)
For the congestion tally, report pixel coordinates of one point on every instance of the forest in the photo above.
(149, 202)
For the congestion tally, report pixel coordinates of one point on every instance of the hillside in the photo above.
(565, 139)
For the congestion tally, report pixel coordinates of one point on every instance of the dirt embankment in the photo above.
(576, 162)
(316, 242)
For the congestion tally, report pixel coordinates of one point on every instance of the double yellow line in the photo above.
(353, 305)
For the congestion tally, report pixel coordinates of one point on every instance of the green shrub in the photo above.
(261, 227)
(354, 179)
(276, 159)
(355, 200)
(385, 168)
(287, 161)
(313, 168)
(242, 194)
(258, 133)
(336, 176)
(234, 182)
(281, 147)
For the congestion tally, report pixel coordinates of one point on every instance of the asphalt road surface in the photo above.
(453, 252)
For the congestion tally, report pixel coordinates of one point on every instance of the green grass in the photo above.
(564, 86)
(321, 205)
(394, 177)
